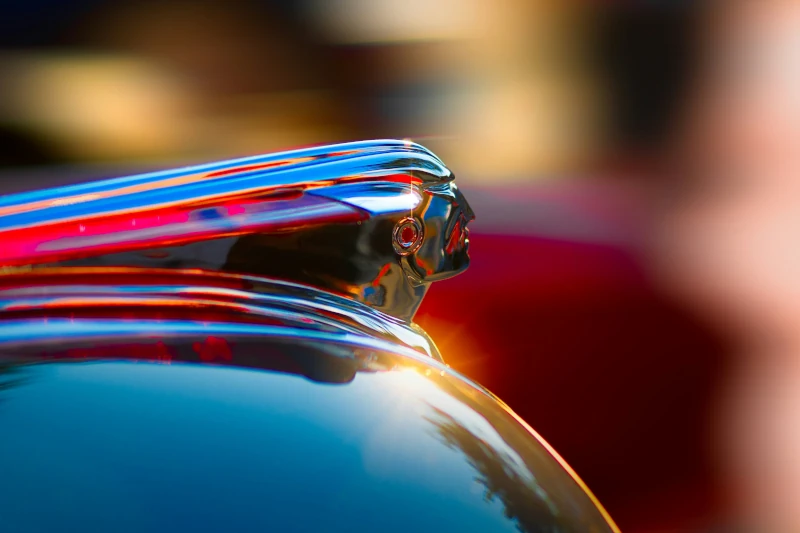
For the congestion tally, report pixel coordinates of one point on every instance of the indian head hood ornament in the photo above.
(376, 221)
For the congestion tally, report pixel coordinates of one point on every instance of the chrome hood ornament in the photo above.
(377, 221)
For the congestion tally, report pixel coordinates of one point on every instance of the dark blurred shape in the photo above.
(41, 23)
(21, 149)
(728, 245)
(646, 54)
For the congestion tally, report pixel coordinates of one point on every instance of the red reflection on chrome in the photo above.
(134, 230)
(213, 349)
(152, 351)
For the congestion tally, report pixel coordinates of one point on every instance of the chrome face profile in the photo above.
(376, 221)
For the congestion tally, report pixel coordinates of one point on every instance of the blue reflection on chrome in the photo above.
(62, 330)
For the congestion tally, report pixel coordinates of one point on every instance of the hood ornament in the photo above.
(377, 221)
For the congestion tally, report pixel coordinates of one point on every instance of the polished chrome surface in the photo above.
(333, 217)
(177, 425)
(230, 347)
(207, 297)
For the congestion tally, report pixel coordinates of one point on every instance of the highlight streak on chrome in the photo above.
(35, 223)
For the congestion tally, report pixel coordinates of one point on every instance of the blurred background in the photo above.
(632, 293)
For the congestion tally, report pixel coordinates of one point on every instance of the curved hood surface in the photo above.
(235, 433)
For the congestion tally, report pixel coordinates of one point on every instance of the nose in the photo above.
(461, 200)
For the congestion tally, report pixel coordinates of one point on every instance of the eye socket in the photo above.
(407, 236)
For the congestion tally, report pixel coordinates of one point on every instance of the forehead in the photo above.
(450, 192)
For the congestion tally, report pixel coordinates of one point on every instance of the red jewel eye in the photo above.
(407, 236)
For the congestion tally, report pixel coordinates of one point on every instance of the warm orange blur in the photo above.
(501, 90)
